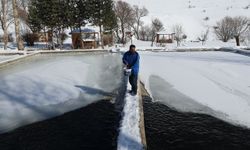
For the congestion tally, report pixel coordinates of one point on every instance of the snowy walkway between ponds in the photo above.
(214, 83)
(50, 85)
(129, 136)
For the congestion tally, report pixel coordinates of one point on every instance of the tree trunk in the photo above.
(46, 38)
(178, 43)
(59, 37)
(137, 35)
(137, 30)
(118, 37)
(123, 35)
(19, 40)
(4, 14)
(101, 36)
(237, 38)
(5, 38)
(153, 39)
(52, 39)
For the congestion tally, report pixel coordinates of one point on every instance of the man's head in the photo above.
(132, 48)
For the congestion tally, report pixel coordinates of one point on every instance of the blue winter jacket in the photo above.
(132, 60)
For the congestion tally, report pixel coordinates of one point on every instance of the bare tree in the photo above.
(179, 33)
(156, 27)
(247, 37)
(136, 23)
(229, 28)
(142, 33)
(5, 19)
(145, 33)
(240, 26)
(125, 15)
(223, 29)
(204, 36)
(19, 40)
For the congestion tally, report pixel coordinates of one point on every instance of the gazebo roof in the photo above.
(164, 33)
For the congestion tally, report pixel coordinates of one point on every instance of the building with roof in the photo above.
(85, 38)
(164, 37)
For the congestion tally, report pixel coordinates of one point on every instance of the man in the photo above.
(132, 59)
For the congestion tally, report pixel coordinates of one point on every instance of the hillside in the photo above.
(192, 13)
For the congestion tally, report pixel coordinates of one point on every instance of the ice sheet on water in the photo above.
(215, 81)
(45, 86)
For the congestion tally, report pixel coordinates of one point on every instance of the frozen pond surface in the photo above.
(214, 83)
(47, 86)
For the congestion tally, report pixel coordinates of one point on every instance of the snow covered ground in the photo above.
(46, 86)
(185, 46)
(214, 83)
(129, 135)
(189, 45)
(192, 14)
(9, 57)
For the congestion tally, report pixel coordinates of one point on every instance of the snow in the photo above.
(178, 12)
(46, 86)
(214, 83)
(186, 45)
(129, 137)
(4, 58)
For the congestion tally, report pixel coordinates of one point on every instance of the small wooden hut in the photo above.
(85, 38)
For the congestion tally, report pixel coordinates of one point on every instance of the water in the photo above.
(46, 86)
(92, 126)
(169, 129)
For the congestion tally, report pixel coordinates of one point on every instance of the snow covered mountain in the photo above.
(194, 15)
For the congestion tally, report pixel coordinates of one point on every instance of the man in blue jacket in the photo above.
(132, 61)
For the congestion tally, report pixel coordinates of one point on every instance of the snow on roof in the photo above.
(165, 32)
(85, 30)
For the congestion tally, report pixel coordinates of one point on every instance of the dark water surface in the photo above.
(168, 129)
(89, 128)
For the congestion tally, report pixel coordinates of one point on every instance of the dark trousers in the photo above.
(133, 82)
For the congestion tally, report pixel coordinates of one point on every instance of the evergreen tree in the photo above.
(56, 15)
(81, 13)
(34, 20)
(103, 15)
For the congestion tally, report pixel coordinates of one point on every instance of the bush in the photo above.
(30, 38)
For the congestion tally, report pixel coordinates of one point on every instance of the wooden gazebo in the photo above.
(85, 38)
(164, 37)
